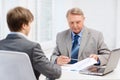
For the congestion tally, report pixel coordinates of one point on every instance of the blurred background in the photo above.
(50, 18)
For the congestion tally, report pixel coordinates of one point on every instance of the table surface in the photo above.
(74, 75)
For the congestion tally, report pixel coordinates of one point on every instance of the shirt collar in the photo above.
(80, 34)
(19, 33)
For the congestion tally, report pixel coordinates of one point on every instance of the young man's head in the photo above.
(19, 20)
(75, 18)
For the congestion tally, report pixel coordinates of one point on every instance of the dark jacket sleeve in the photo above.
(43, 65)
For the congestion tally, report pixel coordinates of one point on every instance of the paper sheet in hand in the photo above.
(80, 65)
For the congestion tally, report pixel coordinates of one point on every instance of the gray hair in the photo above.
(75, 11)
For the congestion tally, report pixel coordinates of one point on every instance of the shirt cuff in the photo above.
(98, 63)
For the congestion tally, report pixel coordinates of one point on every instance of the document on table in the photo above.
(79, 65)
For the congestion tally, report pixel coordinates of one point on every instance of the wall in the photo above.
(118, 25)
(101, 15)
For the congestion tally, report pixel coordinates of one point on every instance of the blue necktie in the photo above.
(75, 49)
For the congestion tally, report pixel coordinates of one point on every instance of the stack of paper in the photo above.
(80, 65)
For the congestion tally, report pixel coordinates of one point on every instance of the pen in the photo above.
(74, 59)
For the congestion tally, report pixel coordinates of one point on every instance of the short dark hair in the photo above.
(75, 11)
(18, 16)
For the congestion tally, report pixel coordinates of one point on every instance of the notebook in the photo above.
(102, 70)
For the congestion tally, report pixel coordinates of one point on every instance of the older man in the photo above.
(79, 42)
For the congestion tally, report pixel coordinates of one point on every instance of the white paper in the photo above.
(80, 65)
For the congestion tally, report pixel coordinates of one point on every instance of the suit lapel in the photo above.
(84, 40)
(69, 42)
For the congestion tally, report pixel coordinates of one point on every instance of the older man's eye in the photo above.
(78, 22)
(71, 23)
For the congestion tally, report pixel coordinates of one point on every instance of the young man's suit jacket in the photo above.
(92, 42)
(41, 64)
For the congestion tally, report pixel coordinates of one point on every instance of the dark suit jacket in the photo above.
(40, 64)
(92, 42)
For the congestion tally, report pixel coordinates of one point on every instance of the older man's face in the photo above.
(75, 22)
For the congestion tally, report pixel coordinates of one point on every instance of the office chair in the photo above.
(15, 66)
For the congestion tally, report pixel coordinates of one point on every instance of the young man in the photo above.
(79, 42)
(19, 21)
